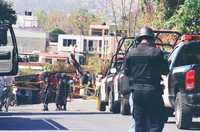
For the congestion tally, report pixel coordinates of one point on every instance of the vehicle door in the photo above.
(8, 51)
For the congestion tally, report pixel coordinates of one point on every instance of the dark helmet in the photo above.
(145, 33)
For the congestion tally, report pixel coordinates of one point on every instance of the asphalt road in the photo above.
(80, 117)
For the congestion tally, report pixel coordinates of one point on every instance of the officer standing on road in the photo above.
(47, 91)
(144, 66)
(62, 92)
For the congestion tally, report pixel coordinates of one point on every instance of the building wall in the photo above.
(29, 40)
(26, 21)
(101, 45)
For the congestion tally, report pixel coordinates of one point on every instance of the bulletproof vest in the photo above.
(144, 64)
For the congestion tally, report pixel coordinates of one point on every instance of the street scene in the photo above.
(100, 65)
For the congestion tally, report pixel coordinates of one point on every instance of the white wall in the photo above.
(26, 21)
(80, 43)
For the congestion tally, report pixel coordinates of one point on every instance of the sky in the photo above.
(60, 5)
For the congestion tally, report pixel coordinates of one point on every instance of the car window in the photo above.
(190, 54)
(172, 57)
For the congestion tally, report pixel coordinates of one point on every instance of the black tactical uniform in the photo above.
(144, 66)
(47, 91)
(62, 92)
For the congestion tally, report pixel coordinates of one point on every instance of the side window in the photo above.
(172, 57)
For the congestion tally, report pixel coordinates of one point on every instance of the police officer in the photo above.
(47, 91)
(62, 92)
(144, 66)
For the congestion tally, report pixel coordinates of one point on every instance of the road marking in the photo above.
(51, 124)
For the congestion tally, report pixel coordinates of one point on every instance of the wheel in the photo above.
(101, 105)
(183, 113)
(114, 106)
(125, 107)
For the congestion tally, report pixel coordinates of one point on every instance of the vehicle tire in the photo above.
(101, 105)
(114, 106)
(125, 107)
(183, 113)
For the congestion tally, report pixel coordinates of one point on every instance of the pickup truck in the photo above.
(115, 80)
(182, 84)
(110, 87)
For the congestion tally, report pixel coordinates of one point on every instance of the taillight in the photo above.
(190, 80)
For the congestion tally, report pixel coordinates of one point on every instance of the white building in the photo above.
(104, 46)
(27, 21)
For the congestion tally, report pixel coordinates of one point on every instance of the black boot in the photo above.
(45, 107)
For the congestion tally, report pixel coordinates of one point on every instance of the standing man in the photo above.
(47, 91)
(144, 66)
(62, 92)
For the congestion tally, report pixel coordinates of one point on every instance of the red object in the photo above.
(190, 37)
(190, 80)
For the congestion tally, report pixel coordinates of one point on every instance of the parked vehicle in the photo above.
(110, 85)
(114, 80)
(8, 50)
(8, 54)
(182, 84)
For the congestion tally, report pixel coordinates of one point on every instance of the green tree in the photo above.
(54, 34)
(187, 18)
(7, 13)
(93, 64)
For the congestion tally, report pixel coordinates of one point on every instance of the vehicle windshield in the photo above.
(190, 54)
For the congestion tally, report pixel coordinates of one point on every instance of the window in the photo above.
(106, 32)
(172, 56)
(85, 45)
(90, 45)
(100, 45)
(33, 58)
(97, 32)
(69, 42)
(61, 60)
(48, 61)
(190, 55)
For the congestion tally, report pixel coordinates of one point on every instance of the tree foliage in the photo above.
(43, 18)
(7, 13)
(54, 34)
(93, 64)
(80, 21)
(77, 22)
(187, 18)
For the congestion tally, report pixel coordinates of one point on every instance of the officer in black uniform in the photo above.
(144, 66)
(46, 92)
(62, 92)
